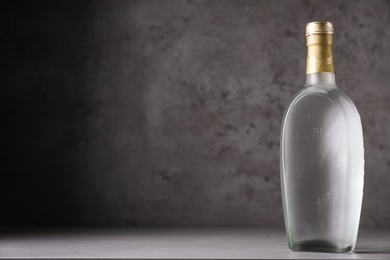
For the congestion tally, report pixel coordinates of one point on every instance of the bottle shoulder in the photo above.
(321, 100)
(330, 94)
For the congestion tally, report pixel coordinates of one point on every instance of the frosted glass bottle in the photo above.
(321, 156)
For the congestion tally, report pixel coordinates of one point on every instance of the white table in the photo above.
(176, 243)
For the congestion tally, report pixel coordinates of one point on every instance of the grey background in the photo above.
(167, 113)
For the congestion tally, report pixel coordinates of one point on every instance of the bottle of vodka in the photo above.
(321, 156)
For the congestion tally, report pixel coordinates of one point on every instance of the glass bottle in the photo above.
(321, 156)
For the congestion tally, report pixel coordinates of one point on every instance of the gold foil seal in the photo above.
(319, 40)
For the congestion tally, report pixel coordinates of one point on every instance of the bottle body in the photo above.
(322, 167)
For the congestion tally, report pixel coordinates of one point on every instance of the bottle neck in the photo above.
(319, 66)
(319, 53)
(320, 78)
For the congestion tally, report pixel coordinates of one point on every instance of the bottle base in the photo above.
(319, 246)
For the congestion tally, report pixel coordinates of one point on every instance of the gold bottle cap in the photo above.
(319, 27)
(319, 39)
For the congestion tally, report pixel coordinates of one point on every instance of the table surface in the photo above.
(176, 243)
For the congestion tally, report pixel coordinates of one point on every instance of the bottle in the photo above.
(321, 156)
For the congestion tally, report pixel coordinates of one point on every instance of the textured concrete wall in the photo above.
(168, 112)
